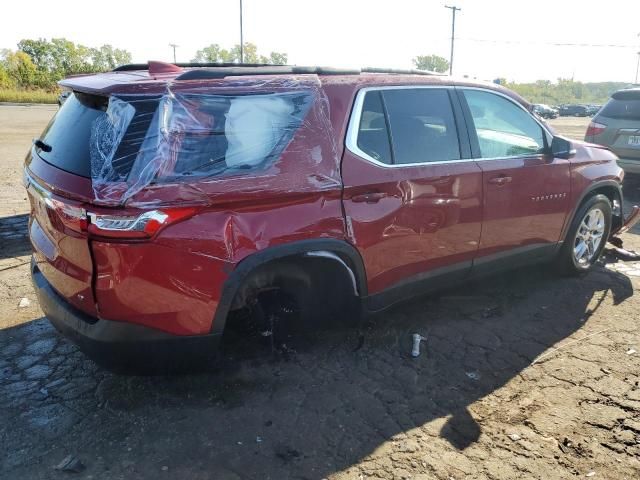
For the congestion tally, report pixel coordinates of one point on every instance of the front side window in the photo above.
(503, 129)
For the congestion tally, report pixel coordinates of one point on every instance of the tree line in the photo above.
(40, 64)
(541, 91)
(565, 90)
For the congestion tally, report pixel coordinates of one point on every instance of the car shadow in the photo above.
(14, 236)
(323, 405)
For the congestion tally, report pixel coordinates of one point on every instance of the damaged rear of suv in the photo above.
(148, 188)
(167, 200)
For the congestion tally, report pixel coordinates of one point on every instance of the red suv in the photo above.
(166, 199)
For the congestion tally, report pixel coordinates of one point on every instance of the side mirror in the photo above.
(562, 148)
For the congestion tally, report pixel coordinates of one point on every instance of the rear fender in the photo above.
(341, 253)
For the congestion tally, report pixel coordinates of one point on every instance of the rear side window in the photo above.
(373, 136)
(621, 109)
(422, 125)
(143, 139)
(503, 129)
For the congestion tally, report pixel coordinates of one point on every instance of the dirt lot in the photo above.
(523, 376)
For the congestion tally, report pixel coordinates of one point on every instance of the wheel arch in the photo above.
(338, 253)
(610, 189)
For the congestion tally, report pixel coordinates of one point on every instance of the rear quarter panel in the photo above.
(174, 282)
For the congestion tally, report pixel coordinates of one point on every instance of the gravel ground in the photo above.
(525, 375)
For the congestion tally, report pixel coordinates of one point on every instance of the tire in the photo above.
(586, 237)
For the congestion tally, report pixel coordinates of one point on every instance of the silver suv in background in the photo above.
(617, 126)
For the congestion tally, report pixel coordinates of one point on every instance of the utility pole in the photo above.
(453, 9)
(174, 46)
(637, 64)
(241, 36)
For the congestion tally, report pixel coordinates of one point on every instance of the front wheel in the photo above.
(587, 236)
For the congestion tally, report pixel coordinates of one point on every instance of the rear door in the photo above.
(526, 189)
(412, 195)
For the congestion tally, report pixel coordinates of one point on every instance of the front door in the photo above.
(412, 195)
(526, 189)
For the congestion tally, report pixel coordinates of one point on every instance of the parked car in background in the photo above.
(545, 111)
(573, 111)
(592, 109)
(168, 202)
(617, 126)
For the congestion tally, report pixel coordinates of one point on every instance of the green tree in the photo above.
(107, 58)
(59, 58)
(21, 69)
(433, 63)
(39, 51)
(69, 58)
(277, 58)
(5, 79)
(213, 54)
(565, 91)
(216, 54)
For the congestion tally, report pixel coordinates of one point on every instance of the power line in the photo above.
(453, 9)
(553, 44)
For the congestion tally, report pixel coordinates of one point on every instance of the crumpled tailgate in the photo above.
(60, 250)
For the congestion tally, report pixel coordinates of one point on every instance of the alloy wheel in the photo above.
(589, 237)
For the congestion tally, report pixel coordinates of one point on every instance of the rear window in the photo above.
(69, 133)
(621, 109)
(143, 139)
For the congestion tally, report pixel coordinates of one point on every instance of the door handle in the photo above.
(371, 197)
(501, 180)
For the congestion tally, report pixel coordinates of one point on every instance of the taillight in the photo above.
(595, 128)
(72, 217)
(145, 225)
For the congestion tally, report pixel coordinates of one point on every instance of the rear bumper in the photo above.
(121, 345)
(629, 166)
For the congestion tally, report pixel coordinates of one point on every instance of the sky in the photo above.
(494, 38)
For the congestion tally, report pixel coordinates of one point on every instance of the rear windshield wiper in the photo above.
(45, 147)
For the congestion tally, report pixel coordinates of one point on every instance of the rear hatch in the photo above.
(59, 186)
(621, 115)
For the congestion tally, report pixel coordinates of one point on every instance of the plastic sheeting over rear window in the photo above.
(191, 136)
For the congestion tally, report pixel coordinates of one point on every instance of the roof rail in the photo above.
(400, 71)
(145, 66)
(221, 70)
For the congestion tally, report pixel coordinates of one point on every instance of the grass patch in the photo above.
(28, 96)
